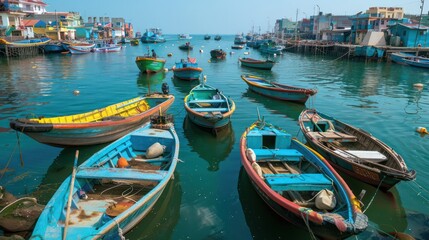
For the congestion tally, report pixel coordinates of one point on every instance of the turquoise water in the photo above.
(211, 196)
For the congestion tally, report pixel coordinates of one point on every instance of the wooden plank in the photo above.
(298, 182)
(120, 173)
(210, 109)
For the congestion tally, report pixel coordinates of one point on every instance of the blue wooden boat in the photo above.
(153, 35)
(54, 47)
(417, 62)
(354, 151)
(94, 127)
(208, 107)
(108, 194)
(255, 63)
(187, 69)
(298, 184)
(277, 90)
(269, 47)
(399, 57)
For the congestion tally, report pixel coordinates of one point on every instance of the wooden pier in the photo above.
(348, 51)
(14, 51)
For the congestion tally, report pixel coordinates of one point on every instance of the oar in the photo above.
(73, 176)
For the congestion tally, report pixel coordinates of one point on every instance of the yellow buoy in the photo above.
(422, 130)
(76, 92)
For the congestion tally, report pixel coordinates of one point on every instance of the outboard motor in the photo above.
(165, 88)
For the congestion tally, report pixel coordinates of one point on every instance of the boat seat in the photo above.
(210, 109)
(120, 173)
(208, 101)
(371, 156)
(333, 136)
(298, 182)
(278, 154)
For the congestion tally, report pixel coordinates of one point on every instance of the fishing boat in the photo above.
(217, 37)
(134, 42)
(218, 54)
(298, 184)
(187, 69)
(237, 46)
(112, 191)
(26, 42)
(420, 62)
(354, 151)
(239, 39)
(207, 37)
(184, 36)
(277, 90)
(269, 47)
(152, 35)
(186, 46)
(208, 107)
(81, 48)
(95, 127)
(107, 47)
(150, 64)
(255, 63)
(54, 47)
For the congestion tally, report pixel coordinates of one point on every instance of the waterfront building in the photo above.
(408, 35)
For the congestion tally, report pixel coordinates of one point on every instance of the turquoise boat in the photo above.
(270, 47)
(187, 69)
(152, 35)
(208, 107)
(150, 64)
(298, 184)
(277, 90)
(112, 191)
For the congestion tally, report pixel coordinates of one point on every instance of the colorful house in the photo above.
(409, 35)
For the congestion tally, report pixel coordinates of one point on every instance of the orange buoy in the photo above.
(122, 163)
(422, 130)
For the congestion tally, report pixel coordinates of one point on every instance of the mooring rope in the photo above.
(373, 197)
(419, 193)
(341, 56)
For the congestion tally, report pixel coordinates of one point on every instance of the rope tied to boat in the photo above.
(373, 197)
(304, 216)
(120, 231)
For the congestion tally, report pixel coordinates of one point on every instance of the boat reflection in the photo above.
(210, 148)
(184, 87)
(60, 169)
(150, 82)
(289, 109)
(260, 217)
(384, 209)
(161, 220)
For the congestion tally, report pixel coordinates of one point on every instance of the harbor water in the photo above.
(211, 196)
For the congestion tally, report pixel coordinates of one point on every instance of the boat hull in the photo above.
(265, 65)
(97, 214)
(91, 133)
(150, 65)
(277, 91)
(81, 49)
(187, 73)
(305, 216)
(217, 54)
(373, 171)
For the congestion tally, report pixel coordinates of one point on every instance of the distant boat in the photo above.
(217, 37)
(150, 64)
(259, 64)
(112, 191)
(186, 46)
(298, 184)
(187, 69)
(207, 37)
(218, 54)
(125, 40)
(184, 36)
(153, 35)
(276, 90)
(398, 57)
(208, 107)
(239, 39)
(354, 151)
(134, 42)
(237, 46)
(269, 47)
(54, 47)
(81, 48)
(107, 47)
(95, 127)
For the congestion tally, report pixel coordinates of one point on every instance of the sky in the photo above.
(219, 16)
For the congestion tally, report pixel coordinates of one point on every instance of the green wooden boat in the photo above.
(150, 64)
